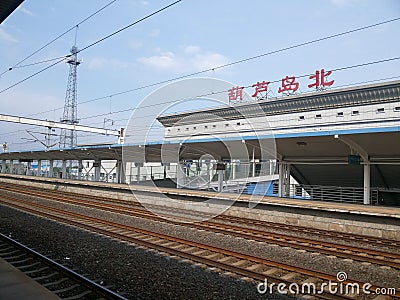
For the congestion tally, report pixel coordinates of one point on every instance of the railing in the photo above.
(332, 193)
(307, 192)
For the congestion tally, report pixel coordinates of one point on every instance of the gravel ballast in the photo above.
(136, 272)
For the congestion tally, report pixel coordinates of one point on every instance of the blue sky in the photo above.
(191, 36)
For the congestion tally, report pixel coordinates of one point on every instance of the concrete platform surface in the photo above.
(15, 285)
(340, 207)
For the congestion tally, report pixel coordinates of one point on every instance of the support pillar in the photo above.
(20, 168)
(51, 168)
(64, 169)
(29, 168)
(284, 180)
(367, 183)
(3, 166)
(138, 166)
(271, 167)
(39, 168)
(180, 176)
(120, 170)
(233, 162)
(280, 180)
(220, 180)
(11, 166)
(287, 180)
(97, 169)
(80, 168)
(208, 174)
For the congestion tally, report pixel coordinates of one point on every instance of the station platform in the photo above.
(15, 285)
(337, 207)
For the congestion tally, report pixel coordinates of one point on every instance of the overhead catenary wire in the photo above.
(145, 116)
(93, 44)
(53, 40)
(245, 87)
(225, 65)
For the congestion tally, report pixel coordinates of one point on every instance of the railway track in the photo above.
(265, 225)
(243, 265)
(361, 254)
(60, 280)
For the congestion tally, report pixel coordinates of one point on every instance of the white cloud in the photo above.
(6, 37)
(25, 11)
(135, 44)
(192, 59)
(155, 32)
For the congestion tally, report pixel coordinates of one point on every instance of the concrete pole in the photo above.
(220, 180)
(11, 166)
(233, 169)
(254, 165)
(120, 172)
(29, 168)
(80, 168)
(51, 168)
(39, 168)
(208, 174)
(20, 167)
(287, 180)
(367, 183)
(64, 169)
(138, 165)
(3, 166)
(97, 169)
(271, 167)
(180, 176)
(281, 179)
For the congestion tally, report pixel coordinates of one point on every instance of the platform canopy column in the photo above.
(287, 180)
(138, 165)
(64, 169)
(120, 172)
(29, 168)
(271, 167)
(284, 180)
(3, 166)
(20, 168)
(97, 169)
(51, 168)
(367, 183)
(39, 168)
(80, 168)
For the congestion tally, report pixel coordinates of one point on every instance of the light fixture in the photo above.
(301, 144)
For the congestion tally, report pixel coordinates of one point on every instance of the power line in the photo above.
(55, 39)
(128, 26)
(249, 86)
(94, 43)
(229, 64)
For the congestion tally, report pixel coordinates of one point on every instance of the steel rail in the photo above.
(89, 284)
(356, 253)
(114, 229)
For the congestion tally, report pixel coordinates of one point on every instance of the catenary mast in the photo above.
(68, 138)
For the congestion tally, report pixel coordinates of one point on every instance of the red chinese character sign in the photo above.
(235, 93)
(260, 87)
(320, 79)
(289, 86)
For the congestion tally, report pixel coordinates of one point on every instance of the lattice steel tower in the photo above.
(68, 137)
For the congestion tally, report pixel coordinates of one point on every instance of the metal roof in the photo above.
(348, 97)
(7, 7)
